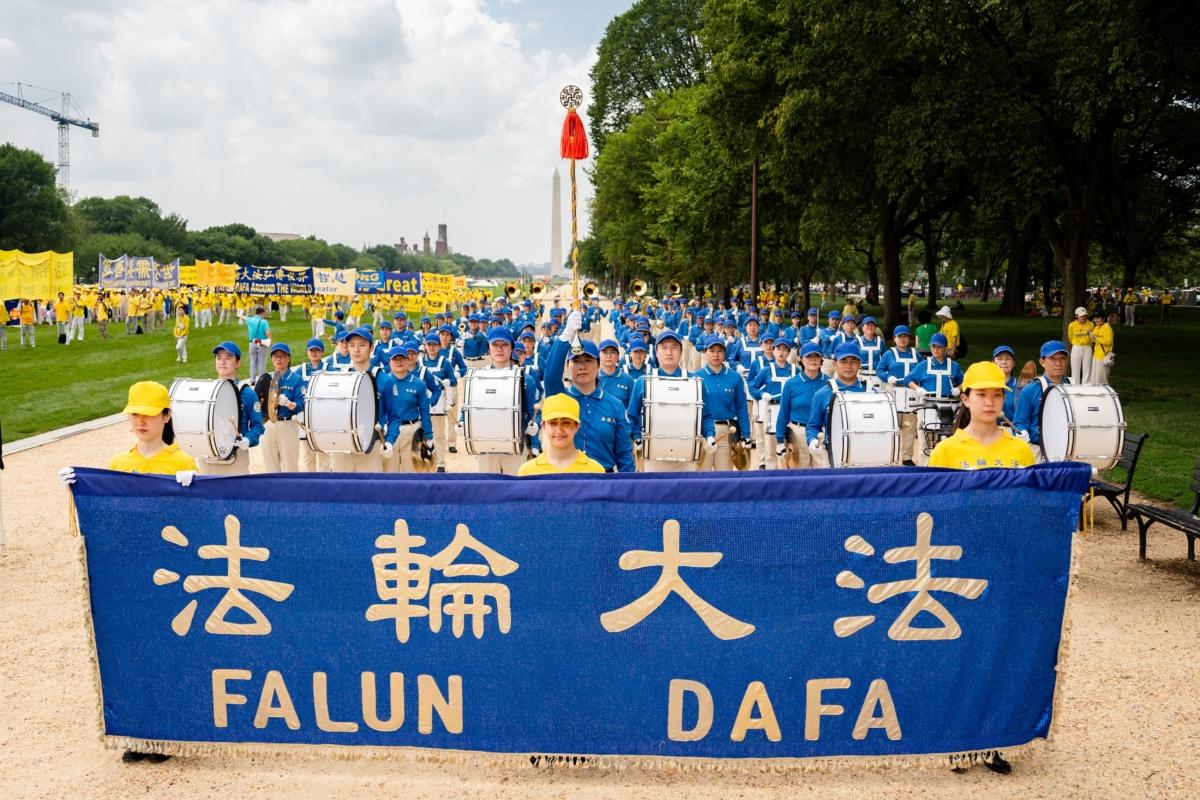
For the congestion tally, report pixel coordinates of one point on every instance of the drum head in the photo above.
(365, 415)
(1055, 424)
(225, 418)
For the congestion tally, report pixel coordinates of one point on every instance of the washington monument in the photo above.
(556, 254)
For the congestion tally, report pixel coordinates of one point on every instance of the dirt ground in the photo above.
(1129, 725)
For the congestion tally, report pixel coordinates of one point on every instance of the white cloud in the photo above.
(355, 120)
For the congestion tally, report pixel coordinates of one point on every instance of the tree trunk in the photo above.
(1016, 279)
(890, 241)
(1047, 275)
(754, 239)
(1128, 275)
(933, 295)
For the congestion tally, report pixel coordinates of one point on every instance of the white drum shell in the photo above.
(340, 412)
(907, 400)
(492, 414)
(1082, 423)
(204, 414)
(671, 417)
(863, 430)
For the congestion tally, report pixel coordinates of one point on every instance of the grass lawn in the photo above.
(53, 386)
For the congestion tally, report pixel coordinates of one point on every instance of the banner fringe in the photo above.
(470, 758)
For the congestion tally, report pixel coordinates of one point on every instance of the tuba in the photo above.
(638, 287)
(536, 290)
(674, 288)
(590, 289)
(512, 290)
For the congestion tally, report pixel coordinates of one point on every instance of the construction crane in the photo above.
(64, 120)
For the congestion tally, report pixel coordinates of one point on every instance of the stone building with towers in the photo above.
(429, 247)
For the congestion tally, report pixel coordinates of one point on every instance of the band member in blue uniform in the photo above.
(227, 358)
(827, 343)
(614, 380)
(1055, 359)
(309, 460)
(795, 407)
(403, 411)
(724, 407)
(669, 350)
(1006, 359)
(846, 362)
(767, 388)
(280, 441)
(500, 345)
(894, 368)
(938, 374)
(475, 344)
(871, 345)
(339, 359)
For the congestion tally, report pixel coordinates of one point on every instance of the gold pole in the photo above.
(574, 244)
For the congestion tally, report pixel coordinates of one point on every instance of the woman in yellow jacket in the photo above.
(1103, 337)
(1079, 336)
(979, 442)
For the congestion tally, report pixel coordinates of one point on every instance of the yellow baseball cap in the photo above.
(148, 399)
(560, 406)
(984, 375)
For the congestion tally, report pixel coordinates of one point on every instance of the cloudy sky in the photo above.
(359, 121)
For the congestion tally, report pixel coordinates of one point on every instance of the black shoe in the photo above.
(131, 756)
(908, 462)
(762, 466)
(441, 469)
(997, 763)
(452, 449)
(156, 758)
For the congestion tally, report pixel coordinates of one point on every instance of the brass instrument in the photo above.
(512, 290)
(536, 290)
(674, 288)
(638, 287)
(590, 289)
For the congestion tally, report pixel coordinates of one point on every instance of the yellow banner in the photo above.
(187, 274)
(414, 303)
(435, 282)
(215, 275)
(460, 282)
(39, 276)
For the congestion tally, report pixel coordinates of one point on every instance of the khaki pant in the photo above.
(477, 363)
(281, 446)
(802, 455)
(357, 462)
(908, 437)
(439, 437)
(722, 459)
(312, 461)
(401, 460)
(499, 464)
(238, 465)
(449, 422)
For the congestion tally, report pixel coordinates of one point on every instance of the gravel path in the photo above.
(1129, 726)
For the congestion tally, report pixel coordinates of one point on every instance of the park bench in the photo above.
(1185, 522)
(1117, 494)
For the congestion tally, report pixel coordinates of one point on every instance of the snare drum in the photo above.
(863, 430)
(438, 409)
(340, 412)
(205, 416)
(1082, 423)
(671, 419)
(937, 415)
(493, 410)
(908, 401)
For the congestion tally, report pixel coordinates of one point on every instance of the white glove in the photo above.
(571, 326)
(780, 449)
(892, 380)
(66, 476)
(388, 451)
(814, 447)
(1023, 436)
(532, 428)
(710, 445)
(955, 391)
(287, 403)
(446, 384)
(815, 340)
(184, 477)
(241, 443)
(535, 452)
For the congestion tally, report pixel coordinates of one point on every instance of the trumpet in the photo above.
(590, 289)
(512, 289)
(536, 290)
(638, 287)
(674, 287)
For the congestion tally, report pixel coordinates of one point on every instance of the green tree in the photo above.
(33, 214)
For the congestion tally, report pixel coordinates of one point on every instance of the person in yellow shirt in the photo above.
(560, 422)
(949, 329)
(62, 318)
(1129, 301)
(979, 442)
(27, 316)
(182, 326)
(1103, 338)
(1167, 300)
(100, 310)
(1079, 336)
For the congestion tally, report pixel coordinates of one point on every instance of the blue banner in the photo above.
(885, 612)
(166, 276)
(405, 283)
(369, 281)
(126, 272)
(294, 281)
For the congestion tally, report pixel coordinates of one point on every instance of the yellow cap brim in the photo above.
(548, 417)
(988, 385)
(145, 411)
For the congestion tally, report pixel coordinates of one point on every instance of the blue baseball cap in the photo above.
(849, 318)
(781, 342)
(281, 348)
(432, 338)
(518, 348)
(410, 347)
(317, 343)
(498, 318)
(811, 312)
(500, 334)
(398, 351)
(867, 319)
(447, 329)
(847, 350)
(668, 335)
(810, 348)
(385, 324)
(228, 347)
(339, 315)
(1004, 349)
(400, 315)
(797, 315)
(643, 326)
(939, 338)
(637, 346)
(901, 330)
(587, 348)
(1053, 347)
(362, 333)
(835, 314)
(527, 334)
(716, 340)
(427, 319)
(607, 343)
(340, 336)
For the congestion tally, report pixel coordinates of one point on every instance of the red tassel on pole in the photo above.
(574, 142)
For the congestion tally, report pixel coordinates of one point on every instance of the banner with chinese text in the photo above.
(35, 276)
(286, 281)
(339, 282)
(880, 613)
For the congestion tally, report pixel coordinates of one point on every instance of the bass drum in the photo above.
(204, 414)
(863, 430)
(340, 412)
(671, 419)
(1082, 423)
(493, 410)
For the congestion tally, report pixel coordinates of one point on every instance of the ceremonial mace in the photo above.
(573, 145)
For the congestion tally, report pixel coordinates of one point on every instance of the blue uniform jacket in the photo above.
(897, 364)
(475, 345)
(402, 400)
(250, 421)
(924, 375)
(618, 385)
(1029, 408)
(291, 385)
(818, 413)
(795, 404)
(724, 399)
